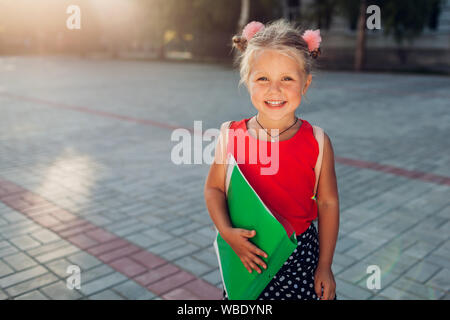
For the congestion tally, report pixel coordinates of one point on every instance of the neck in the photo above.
(280, 124)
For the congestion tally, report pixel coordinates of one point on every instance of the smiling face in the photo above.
(275, 78)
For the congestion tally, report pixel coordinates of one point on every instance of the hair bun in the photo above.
(240, 43)
(315, 53)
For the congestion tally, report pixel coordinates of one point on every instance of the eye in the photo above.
(262, 78)
(288, 78)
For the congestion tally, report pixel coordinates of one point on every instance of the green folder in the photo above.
(274, 235)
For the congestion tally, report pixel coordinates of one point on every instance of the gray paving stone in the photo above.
(187, 228)
(344, 260)
(19, 261)
(47, 248)
(130, 229)
(58, 253)
(60, 291)
(24, 242)
(393, 293)
(122, 224)
(102, 283)
(441, 280)
(419, 289)
(193, 265)
(438, 260)
(198, 239)
(133, 291)
(99, 220)
(21, 276)
(59, 267)
(422, 271)
(167, 246)
(351, 291)
(141, 240)
(14, 217)
(346, 243)
(3, 222)
(213, 277)
(106, 295)
(84, 260)
(179, 252)
(158, 235)
(32, 284)
(420, 249)
(207, 256)
(45, 236)
(33, 295)
(362, 249)
(386, 279)
(95, 273)
(18, 230)
(3, 296)
(391, 261)
(150, 220)
(5, 269)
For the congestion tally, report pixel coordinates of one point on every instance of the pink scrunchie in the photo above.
(252, 28)
(312, 38)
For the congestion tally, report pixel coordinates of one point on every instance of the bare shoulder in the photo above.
(327, 143)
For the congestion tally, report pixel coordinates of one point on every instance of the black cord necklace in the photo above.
(273, 138)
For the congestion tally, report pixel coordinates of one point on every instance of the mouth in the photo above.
(275, 103)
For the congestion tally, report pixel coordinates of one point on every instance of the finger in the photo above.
(318, 287)
(248, 233)
(254, 266)
(259, 261)
(244, 262)
(257, 250)
(326, 292)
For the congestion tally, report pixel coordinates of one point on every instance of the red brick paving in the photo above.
(145, 268)
(411, 174)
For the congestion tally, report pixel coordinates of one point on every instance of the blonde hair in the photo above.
(278, 35)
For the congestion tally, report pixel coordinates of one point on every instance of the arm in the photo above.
(328, 215)
(214, 191)
(216, 203)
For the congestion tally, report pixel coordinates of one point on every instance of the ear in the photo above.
(307, 83)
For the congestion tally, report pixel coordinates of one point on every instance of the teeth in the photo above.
(275, 102)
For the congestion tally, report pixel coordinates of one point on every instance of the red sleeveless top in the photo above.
(289, 188)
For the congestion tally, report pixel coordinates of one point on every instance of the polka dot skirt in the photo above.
(295, 279)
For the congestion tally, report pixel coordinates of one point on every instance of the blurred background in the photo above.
(414, 35)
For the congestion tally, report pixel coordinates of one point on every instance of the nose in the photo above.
(275, 86)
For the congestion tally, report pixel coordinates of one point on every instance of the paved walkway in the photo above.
(86, 178)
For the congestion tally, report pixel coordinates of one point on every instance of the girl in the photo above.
(275, 65)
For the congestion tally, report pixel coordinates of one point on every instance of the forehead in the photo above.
(272, 61)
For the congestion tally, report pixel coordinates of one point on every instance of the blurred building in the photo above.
(428, 52)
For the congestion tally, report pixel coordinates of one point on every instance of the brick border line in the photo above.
(156, 274)
(411, 174)
(82, 109)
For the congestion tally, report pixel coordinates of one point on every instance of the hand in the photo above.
(323, 278)
(248, 253)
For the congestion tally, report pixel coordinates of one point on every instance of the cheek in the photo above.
(257, 92)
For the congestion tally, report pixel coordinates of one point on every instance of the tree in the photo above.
(245, 11)
(402, 19)
(361, 37)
